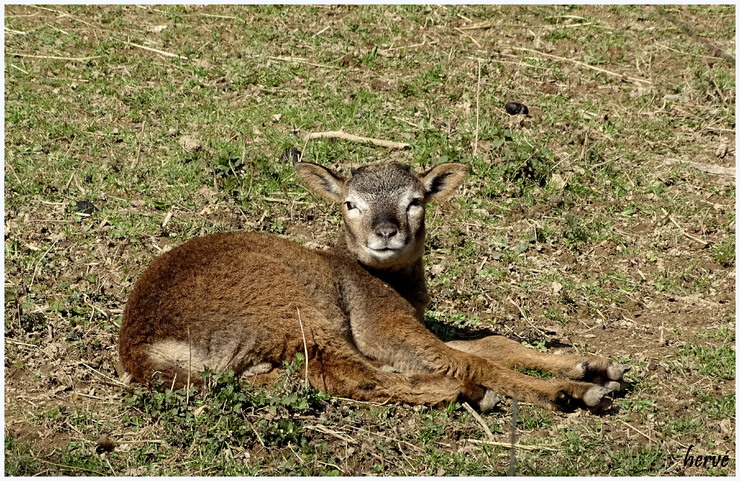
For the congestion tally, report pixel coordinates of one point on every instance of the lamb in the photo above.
(249, 301)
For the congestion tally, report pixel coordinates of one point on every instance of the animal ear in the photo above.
(441, 180)
(321, 181)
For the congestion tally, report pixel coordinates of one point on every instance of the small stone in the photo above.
(189, 143)
(721, 151)
(381, 84)
(556, 200)
(137, 471)
(514, 108)
(348, 60)
(436, 270)
(84, 207)
(557, 181)
(207, 193)
(726, 426)
(104, 444)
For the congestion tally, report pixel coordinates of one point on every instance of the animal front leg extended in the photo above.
(412, 348)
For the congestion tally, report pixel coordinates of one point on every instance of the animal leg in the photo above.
(413, 348)
(351, 375)
(513, 354)
(562, 394)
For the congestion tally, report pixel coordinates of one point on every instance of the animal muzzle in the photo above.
(385, 233)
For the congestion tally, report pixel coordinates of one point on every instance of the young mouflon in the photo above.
(248, 302)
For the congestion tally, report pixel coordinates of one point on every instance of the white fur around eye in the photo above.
(354, 207)
(412, 204)
(415, 211)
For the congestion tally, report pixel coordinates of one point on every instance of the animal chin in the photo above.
(380, 258)
(384, 253)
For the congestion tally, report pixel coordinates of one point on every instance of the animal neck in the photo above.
(408, 279)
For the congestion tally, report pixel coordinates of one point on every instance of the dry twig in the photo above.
(584, 64)
(524, 316)
(511, 471)
(190, 368)
(226, 17)
(323, 429)
(708, 168)
(303, 61)
(477, 26)
(525, 447)
(38, 264)
(305, 347)
(338, 134)
(114, 381)
(469, 36)
(18, 68)
(161, 52)
(406, 47)
(477, 417)
(63, 14)
(52, 57)
(637, 430)
(477, 112)
(23, 344)
(700, 241)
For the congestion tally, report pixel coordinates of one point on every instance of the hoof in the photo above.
(490, 400)
(604, 405)
(616, 371)
(613, 386)
(564, 401)
(580, 370)
(594, 395)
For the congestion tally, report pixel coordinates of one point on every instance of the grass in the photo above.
(717, 363)
(565, 235)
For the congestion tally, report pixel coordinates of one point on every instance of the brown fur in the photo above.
(249, 302)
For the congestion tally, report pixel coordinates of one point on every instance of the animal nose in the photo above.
(386, 230)
(385, 225)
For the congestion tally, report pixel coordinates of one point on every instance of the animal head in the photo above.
(383, 207)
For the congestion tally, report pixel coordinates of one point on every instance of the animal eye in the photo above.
(350, 205)
(414, 203)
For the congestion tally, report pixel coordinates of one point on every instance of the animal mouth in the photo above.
(385, 245)
(384, 253)
(385, 250)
